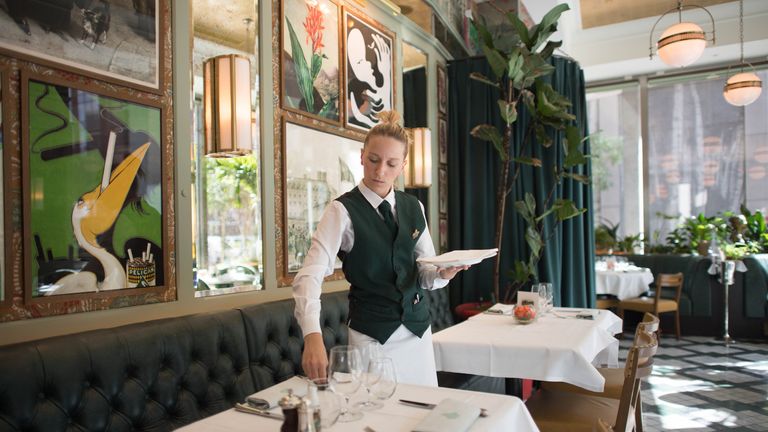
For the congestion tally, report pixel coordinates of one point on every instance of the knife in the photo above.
(250, 410)
(483, 411)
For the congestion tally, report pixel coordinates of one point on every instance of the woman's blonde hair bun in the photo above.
(391, 117)
(389, 126)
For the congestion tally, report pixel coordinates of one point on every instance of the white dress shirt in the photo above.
(335, 233)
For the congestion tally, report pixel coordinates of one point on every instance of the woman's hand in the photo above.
(449, 272)
(314, 360)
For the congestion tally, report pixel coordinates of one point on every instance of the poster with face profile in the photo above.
(369, 84)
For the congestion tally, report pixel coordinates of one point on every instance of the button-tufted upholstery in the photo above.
(160, 375)
(152, 376)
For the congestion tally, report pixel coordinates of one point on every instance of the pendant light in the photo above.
(683, 43)
(742, 88)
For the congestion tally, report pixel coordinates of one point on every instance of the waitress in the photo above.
(378, 233)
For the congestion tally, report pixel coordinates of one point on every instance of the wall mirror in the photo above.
(415, 101)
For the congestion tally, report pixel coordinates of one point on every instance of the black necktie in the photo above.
(386, 212)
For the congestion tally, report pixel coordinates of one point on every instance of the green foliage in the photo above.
(519, 60)
(606, 153)
(606, 236)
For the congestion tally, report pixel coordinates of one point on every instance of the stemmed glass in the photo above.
(387, 384)
(546, 296)
(369, 351)
(345, 369)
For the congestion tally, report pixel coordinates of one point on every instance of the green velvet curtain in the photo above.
(473, 166)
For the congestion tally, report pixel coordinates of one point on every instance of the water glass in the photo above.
(387, 384)
(344, 371)
(545, 296)
(325, 401)
(369, 352)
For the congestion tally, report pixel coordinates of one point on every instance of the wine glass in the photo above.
(369, 351)
(387, 384)
(542, 290)
(344, 367)
(325, 400)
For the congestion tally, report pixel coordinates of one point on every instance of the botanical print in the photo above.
(442, 90)
(442, 140)
(310, 57)
(107, 38)
(95, 192)
(319, 168)
(368, 70)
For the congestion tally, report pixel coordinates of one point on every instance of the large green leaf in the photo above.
(487, 132)
(508, 111)
(520, 273)
(477, 76)
(547, 26)
(573, 154)
(550, 48)
(496, 60)
(520, 28)
(303, 77)
(533, 239)
(528, 161)
(482, 31)
(581, 178)
(566, 209)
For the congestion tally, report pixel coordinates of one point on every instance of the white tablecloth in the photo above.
(623, 284)
(550, 349)
(506, 413)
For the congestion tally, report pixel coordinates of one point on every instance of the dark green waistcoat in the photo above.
(385, 289)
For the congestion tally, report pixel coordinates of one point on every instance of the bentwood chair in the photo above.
(659, 304)
(614, 377)
(565, 411)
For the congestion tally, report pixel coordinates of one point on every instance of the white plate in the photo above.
(459, 257)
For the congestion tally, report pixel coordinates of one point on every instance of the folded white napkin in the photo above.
(501, 309)
(449, 415)
(272, 395)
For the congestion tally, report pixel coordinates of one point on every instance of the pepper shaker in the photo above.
(290, 405)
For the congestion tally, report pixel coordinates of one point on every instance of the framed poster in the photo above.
(443, 235)
(122, 42)
(442, 89)
(368, 71)
(318, 167)
(442, 185)
(97, 214)
(4, 76)
(309, 62)
(442, 140)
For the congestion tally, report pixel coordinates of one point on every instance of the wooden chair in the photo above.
(657, 304)
(567, 411)
(614, 377)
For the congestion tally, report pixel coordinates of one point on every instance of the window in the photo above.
(704, 155)
(227, 229)
(614, 125)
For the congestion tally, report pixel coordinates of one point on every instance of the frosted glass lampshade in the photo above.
(742, 89)
(227, 106)
(418, 173)
(681, 44)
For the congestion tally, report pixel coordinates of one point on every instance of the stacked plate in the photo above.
(459, 257)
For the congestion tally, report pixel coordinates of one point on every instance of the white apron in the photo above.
(414, 357)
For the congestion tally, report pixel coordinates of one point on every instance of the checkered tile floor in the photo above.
(700, 384)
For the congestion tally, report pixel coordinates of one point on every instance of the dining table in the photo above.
(623, 281)
(504, 413)
(564, 345)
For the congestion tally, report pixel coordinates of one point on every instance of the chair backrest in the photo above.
(639, 364)
(649, 324)
(673, 281)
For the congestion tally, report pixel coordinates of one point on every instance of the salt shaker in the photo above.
(290, 405)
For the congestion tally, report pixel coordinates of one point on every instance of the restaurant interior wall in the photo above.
(187, 303)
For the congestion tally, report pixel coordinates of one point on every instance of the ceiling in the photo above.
(596, 13)
(232, 23)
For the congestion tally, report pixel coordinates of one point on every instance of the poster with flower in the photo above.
(309, 64)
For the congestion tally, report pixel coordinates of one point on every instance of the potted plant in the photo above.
(518, 58)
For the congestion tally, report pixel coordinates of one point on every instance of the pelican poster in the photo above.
(369, 87)
(95, 204)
